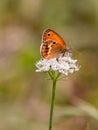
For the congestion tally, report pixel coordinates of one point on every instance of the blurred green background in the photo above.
(25, 94)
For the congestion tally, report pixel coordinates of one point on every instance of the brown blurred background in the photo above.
(24, 94)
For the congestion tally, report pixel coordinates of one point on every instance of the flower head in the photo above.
(64, 65)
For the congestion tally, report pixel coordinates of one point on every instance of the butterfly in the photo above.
(53, 45)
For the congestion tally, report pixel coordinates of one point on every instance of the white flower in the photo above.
(64, 65)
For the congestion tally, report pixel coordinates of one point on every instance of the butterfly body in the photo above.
(53, 46)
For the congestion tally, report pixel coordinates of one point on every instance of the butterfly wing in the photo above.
(52, 44)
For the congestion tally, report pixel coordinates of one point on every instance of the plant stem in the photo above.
(52, 104)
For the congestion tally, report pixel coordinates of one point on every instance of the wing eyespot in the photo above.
(54, 42)
(48, 34)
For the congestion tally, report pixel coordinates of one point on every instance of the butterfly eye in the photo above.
(48, 34)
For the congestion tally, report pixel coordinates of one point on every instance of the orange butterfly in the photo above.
(53, 46)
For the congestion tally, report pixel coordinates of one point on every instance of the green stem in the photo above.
(52, 104)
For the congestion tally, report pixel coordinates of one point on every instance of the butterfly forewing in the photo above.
(52, 44)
